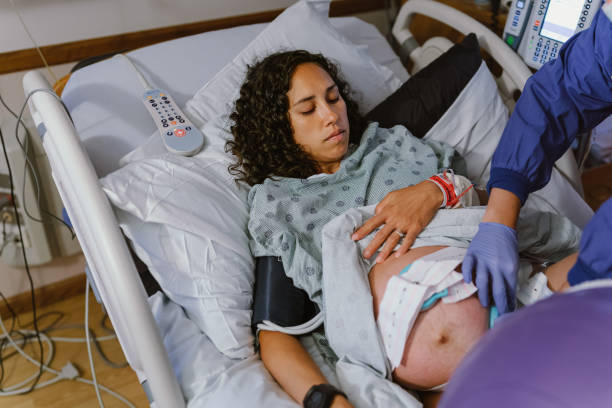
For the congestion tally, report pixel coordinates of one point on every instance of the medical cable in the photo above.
(28, 163)
(141, 78)
(25, 260)
(67, 372)
(27, 158)
(25, 337)
(25, 27)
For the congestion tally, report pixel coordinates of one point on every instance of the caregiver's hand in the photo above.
(405, 211)
(493, 257)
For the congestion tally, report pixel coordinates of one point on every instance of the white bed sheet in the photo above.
(104, 98)
(207, 377)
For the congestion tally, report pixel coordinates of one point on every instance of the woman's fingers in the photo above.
(367, 227)
(379, 239)
(390, 243)
(406, 244)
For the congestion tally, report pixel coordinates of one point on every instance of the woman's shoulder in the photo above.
(268, 191)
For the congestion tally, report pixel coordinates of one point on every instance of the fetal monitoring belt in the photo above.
(418, 287)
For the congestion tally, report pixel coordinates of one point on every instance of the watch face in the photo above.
(317, 398)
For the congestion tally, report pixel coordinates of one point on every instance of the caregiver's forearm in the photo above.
(503, 208)
(289, 363)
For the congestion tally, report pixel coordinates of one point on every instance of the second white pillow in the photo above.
(305, 25)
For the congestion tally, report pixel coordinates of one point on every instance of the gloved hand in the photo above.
(493, 256)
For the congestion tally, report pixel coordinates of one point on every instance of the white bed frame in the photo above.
(111, 266)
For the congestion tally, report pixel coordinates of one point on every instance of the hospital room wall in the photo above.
(59, 21)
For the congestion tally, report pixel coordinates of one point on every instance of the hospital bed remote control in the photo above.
(179, 135)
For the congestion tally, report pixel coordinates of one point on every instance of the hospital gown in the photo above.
(564, 98)
(288, 214)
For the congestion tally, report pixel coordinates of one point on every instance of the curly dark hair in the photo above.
(263, 138)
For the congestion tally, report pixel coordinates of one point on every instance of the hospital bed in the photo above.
(178, 360)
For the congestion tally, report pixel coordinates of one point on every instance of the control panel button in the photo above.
(179, 132)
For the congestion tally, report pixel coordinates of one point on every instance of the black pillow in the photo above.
(422, 100)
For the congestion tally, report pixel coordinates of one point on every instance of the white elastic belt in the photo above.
(406, 293)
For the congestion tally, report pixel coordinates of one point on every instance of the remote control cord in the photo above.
(141, 78)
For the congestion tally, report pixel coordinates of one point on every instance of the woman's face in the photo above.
(318, 117)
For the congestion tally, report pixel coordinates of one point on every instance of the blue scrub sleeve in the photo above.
(567, 96)
(595, 259)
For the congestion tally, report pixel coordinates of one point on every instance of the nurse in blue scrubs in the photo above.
(567, 96)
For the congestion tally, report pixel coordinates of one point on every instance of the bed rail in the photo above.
(514, 75)
(94, 222)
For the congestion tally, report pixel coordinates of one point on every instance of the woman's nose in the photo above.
(329, 114)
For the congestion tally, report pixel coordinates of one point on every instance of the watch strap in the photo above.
(321, 396)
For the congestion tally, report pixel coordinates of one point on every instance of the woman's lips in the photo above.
(336, 136)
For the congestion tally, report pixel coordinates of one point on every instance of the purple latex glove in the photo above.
(493, 257)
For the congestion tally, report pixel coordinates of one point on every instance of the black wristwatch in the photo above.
(321, 396)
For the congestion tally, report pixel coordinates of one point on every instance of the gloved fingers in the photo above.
(510, 278)
(482, 283)
(500, 293)
(467, 267)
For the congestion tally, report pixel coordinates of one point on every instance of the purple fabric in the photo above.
(555, 353)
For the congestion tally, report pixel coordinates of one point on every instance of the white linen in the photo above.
(207, 377)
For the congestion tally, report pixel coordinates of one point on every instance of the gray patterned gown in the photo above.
(287, 215)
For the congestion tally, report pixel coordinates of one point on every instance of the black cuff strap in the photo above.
(321, 396)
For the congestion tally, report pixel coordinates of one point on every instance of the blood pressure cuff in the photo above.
(276, 298)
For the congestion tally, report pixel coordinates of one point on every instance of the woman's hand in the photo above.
(406, 211)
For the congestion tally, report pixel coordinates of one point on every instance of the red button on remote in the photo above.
(179, 132)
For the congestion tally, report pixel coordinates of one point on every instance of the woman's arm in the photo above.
(291, 366)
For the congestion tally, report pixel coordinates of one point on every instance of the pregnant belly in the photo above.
(440, 337)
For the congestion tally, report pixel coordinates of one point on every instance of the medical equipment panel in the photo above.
(538, 29)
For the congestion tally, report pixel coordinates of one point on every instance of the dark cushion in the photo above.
(422, 100)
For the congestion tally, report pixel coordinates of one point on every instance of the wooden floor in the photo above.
(68, 393)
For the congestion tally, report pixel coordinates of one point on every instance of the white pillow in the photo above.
(305, 25)
(473, 124)
(186, 218)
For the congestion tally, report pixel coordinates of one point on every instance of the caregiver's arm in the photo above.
(595, 258)
(570, 95)
(408, 211)
(291, 366)
(567, 96)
